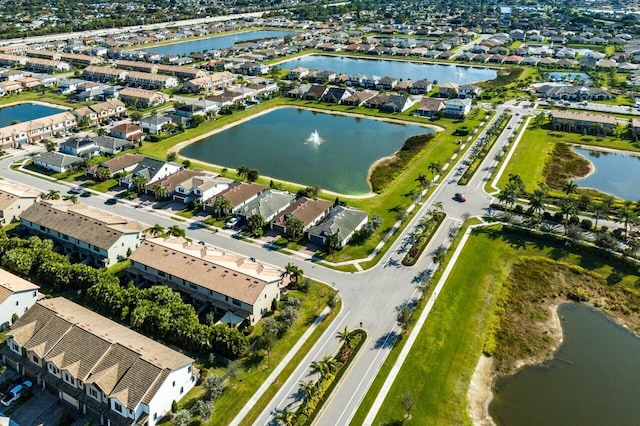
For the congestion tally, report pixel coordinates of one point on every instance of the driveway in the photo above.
(42, 409)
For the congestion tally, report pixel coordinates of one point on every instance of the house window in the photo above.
(236, 302)
(174, 383)
(161, 273)
(181, 390)
(93, 393)
(17, 302)
(34, 358)
(155, 416)
(117, 407)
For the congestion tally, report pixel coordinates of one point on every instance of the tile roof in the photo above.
(119, 163)
(305, 209)
(341, 220)
(240, 192)
(209, 267)
(10, 283)
(267, 204)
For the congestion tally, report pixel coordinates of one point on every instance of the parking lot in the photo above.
(41, 409)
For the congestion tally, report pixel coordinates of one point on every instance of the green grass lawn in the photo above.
(454, 334)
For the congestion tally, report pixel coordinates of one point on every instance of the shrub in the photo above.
(519, 208)
(574, 220)
(558, 217)
(586, 224)
(546, 216)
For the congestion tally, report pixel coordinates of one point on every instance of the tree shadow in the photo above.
(396, 209)
(386, 341)
(558, 253)
(421, 276)
(392, 263)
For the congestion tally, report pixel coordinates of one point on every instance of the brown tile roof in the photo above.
(136, 382)
(170, 182)
(581, 116)
(240, 192)
(119, 163)
(304, 208)
(93, 226)
(112, 367)
(72, 354)
(208, 267)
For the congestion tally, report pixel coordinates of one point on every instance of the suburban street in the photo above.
(369, 298)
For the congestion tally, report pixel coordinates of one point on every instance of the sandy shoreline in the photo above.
(177, 147)
(484, 377)
(48, 104)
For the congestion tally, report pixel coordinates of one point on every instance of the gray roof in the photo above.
(341, 220)
(57, 159)
(110, 142)
(146, 168)
(267, 204)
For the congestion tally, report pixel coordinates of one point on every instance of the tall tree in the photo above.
(294, 227)
(344, 337)
(570, 187)
(285, 417)
(435, 168)
(221, 204)
(156, 230)
(567, 208)
(256, 223)
(627, 216)
(599, 212)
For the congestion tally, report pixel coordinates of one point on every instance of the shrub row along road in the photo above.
(370, 297)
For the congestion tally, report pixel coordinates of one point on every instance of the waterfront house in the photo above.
(116, 375)
(342, 222)
(239, 289)
(238, 194)
(421, 87)
(580, 122)
(457, 108)
(308, 210)
(358, 98)
(93, 235)
(267, 204)
(35, 130)
(153, 123)
(396, 104)
(448, 90)
(200, 188)
(17, 295)
(122, 164)
(430, 107)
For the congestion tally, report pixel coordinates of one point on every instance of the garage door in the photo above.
(71, 400)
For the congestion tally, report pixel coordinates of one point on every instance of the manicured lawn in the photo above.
(253, 369)
(454, 334)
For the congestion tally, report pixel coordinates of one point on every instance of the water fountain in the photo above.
(314, 138)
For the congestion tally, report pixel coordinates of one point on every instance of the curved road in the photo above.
(369, 298)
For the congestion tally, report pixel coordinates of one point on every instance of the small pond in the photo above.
(398, 69)
(25, 112)
(593, 379)
(334, 152)
(615, 173)
(214, 43)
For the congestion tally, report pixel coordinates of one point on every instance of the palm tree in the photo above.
(438, 206)
(536, 202)
(138, 183)
(438, 254)
(508, 196)
(285, 417)
(423, 181)
(221, 204)
(159, 192)
(156, 230)
(568, 208)
(293, 272)
(294, 227)
(344, 337)
(308, 388)
(435, 168)
(598, 213)
(627, 216)
(570, 188)
(255, 223)
(52, 195)
(176, 231)
(516, 180)
(242, 172)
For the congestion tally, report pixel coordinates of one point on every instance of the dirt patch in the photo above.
(565, 165)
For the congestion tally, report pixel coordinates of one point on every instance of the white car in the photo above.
(15, 393)
(232, 222)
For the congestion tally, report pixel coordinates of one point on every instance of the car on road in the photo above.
(112, 201)
(76, 190)
(15, 392)
(508, 127)
(460, 197)
(85, 193)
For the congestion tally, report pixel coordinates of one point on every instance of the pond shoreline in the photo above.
(181, 145)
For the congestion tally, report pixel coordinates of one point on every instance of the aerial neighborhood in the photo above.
(243, 213)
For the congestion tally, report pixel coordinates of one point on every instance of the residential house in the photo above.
(315, 92)
(298, 73)
(14, 199)
(211, 82)
(12, 60)
(103, 369)
(430, 107)
(299, 91)
(309, 211)
(239, 289)
(396, 104)
(141, 98)
(153, 123)
(358, 98)
(150, 81)
(469, 91)
(150, 170)
(122, 164)
(111, 146)
(104, 74)
(17, 295)
(127, 131)
(457, 108)
(267, 204)
(95, 236)
(47, 65)
(325, 77)
(35, 130)
(238, 194)
(9, 87)
(387, 83)
(336, 95)
(342, 222)
(80, 147)
(57, 161)
(183, 73)
(101, 112)
(200, 188)
(377, 101)
(448, 90)
(580, 122)
(635, 128)
(163, 188)
(421, 87)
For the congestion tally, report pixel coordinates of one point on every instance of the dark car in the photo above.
(459, 197)
(112, 201)
(85, 193)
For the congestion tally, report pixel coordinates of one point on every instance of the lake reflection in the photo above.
(616, 174)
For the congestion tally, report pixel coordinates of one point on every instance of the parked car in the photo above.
(232, 222)
(15, 392)
(112, 201)
(85, 193)
(459, 197)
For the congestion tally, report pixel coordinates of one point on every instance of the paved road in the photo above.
(370, 297)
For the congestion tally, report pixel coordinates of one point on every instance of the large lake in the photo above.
(214, 43)
(593, 380)
(281, 145)
(25, 112)
(404, 70)
(616, 174)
